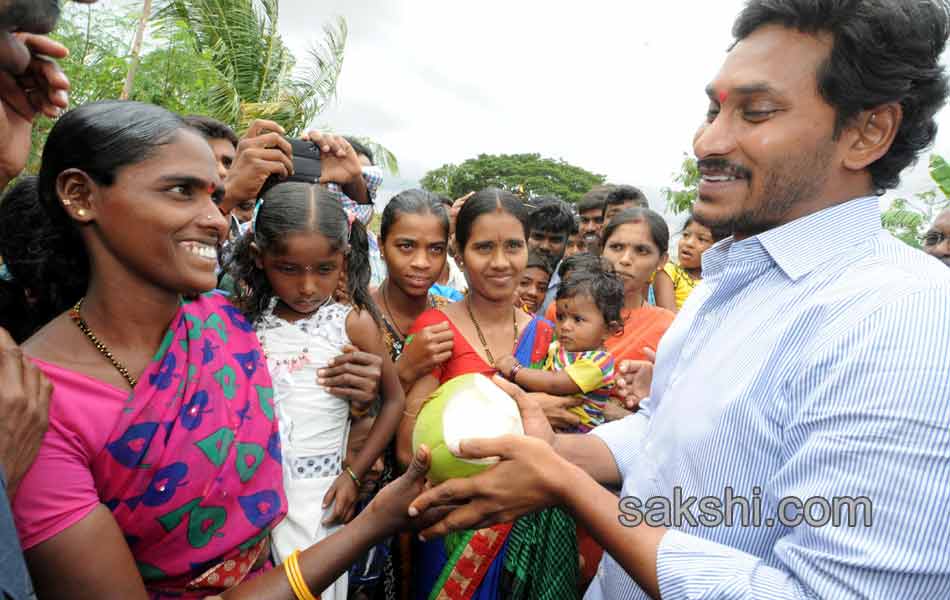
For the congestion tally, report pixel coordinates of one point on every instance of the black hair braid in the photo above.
(254, 291)
(358, 271)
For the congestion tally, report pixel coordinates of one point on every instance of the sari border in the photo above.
(469, 564)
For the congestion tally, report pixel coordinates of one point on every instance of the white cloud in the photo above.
(616, 88)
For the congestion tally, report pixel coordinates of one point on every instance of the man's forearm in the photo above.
(590, 454)
(597, 509)
(357, 191)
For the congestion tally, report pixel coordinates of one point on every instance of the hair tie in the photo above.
(257, 211)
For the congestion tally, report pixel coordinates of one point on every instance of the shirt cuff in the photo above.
(688, 566)
(623, 438)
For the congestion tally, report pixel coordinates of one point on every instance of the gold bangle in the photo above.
(359, 414)
(353, 476)
(294, 574)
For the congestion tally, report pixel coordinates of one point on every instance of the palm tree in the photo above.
(136, 50)
(257, 75)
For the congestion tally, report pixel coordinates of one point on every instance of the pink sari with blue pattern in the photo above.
(192, 469)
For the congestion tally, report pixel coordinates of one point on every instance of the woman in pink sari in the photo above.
(160, 473)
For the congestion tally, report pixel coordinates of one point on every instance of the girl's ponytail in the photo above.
(358, 271)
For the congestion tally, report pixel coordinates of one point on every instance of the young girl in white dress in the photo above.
(287, 270)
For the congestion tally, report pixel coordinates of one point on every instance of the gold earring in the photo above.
(67, 202)
(81, 212)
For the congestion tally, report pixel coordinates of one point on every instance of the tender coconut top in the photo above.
(479, 410)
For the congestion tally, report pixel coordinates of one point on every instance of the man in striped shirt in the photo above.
(809, 373)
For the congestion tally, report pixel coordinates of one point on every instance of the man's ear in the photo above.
(870, 135)
(77, 191)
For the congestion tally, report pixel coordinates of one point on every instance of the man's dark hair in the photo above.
(595, 198)
(622, 194)
(883, 51)
(551, 216)
(576, 227)
(361, 148)
(212, 129)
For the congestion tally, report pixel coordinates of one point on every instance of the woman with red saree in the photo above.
(159, 475)
(535, 556)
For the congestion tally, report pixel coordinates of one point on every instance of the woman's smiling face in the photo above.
(158, 220)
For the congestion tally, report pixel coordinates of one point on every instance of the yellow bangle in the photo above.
(359, 414)
(295, 577)
(353, 476)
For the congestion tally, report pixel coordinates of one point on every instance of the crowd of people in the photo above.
(212, 366)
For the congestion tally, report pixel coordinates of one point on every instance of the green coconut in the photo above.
(465, 407)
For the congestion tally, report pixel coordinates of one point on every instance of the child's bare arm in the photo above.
(364, 333)
(664, 292)
(556, 383)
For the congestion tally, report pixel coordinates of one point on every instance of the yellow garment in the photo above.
(683, 284)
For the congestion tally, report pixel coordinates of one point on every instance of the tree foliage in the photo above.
(908, 221)
(681, 198)
(528, 175)
(220, 58)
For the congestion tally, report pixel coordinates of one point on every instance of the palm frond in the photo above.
(940, 172)
(383, 156)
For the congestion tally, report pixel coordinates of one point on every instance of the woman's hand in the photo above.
(390, 508)
(353, 376)
(634, 380)
(526, 479)
(428, 349)
(343, 495)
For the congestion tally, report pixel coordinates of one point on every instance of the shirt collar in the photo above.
(799, 247)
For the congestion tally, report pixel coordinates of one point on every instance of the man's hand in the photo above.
(555, 409)
(454, 211)
(41, 88)
(262, 152)
(429, 348)
(535, 422)
(634, 380)
(24, 410)
(526, 479)
(338, 161)
(353, 376)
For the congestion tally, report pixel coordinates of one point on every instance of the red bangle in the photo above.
(514, 372)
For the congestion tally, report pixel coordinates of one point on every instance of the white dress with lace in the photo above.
(313, 423)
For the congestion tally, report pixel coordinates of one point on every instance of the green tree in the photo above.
(528, 175)
(681, 198)
(907, 221)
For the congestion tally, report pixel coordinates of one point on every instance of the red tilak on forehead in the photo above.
(723, 96)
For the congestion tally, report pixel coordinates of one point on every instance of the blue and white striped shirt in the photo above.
(813, 361)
